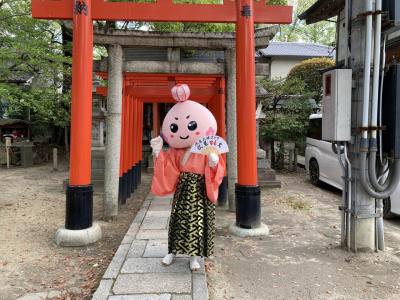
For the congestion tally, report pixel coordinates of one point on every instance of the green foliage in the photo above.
(287, 110)
(309, 72)
(321, 33)
(31, 49)
(187, 27)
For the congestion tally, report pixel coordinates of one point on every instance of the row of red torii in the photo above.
(141, 88)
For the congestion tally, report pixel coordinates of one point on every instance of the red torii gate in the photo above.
(140, 88)
(242, 12)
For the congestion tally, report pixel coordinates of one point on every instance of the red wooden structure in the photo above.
(242, 12)
(140, 88)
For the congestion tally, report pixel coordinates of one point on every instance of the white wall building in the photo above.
(283, 56)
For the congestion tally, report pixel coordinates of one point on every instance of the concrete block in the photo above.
(200, 290)
(146, 204)
(156, 248)
(131, 233)
(157, 214)
(128, 239)
(154, 265)
(152, 234)
(141, 297)
(156, 220)
(116, 263)
(137, 248)
(182, 297)
(150, 196)
(163, 199)
(261, 231)
(133, 229)
(104, 289)
(202, 269)
(160, 207)
(75, 238)
(178, 283)
(139, 216)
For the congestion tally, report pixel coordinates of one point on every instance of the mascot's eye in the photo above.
(192, 125)
(174, 128)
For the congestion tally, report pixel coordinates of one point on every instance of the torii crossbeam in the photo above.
(160, 11)
(244, 13)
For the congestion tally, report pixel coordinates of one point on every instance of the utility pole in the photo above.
(368, 180)
(367, 61)
(362, 237)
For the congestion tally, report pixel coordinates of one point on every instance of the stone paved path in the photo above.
(136, 272)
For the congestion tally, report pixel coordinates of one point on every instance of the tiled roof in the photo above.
(296, 49)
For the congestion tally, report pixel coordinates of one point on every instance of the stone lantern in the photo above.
(266, 175)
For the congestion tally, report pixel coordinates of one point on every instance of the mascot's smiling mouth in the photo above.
(184, 138)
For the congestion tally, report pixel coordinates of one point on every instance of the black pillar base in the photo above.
(135, 183)
(79, 207)
(140, 172)
(223, 192)
(248, 206)
(124, 188)
(120, 191)
(132, 178)
(128, 183)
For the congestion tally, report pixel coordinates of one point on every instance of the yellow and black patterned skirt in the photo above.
(192, 223)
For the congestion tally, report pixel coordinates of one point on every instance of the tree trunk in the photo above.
(66, 142)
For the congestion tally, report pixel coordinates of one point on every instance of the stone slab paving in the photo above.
(136, 272)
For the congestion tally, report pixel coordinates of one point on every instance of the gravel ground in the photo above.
(301, 258)
(32, 207)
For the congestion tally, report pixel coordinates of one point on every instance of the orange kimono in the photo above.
(170, 164)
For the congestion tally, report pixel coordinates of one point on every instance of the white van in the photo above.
(322, 164)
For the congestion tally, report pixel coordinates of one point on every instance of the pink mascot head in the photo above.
(186, 121)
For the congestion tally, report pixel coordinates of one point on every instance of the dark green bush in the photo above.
(309, 72)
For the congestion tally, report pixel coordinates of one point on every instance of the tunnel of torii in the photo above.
(79, 227)
(151, 64)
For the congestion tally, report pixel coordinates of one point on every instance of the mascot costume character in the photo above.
(193, 178)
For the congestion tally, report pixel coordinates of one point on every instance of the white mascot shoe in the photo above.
(168, 259)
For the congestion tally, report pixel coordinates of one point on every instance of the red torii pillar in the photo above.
(82, 12)
(131, 146)
(79, 194)
(248, 202)
(156, 120)
(217, 106)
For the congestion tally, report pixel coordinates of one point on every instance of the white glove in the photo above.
(213, 159)
(156, 144)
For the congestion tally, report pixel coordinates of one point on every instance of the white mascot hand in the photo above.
(156, 144)
(213, 159)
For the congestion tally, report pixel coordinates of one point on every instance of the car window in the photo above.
(315, 129)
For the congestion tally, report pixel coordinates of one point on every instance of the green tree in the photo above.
(32, 50)
(287, 110)
(321, 33)
(309, 71)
